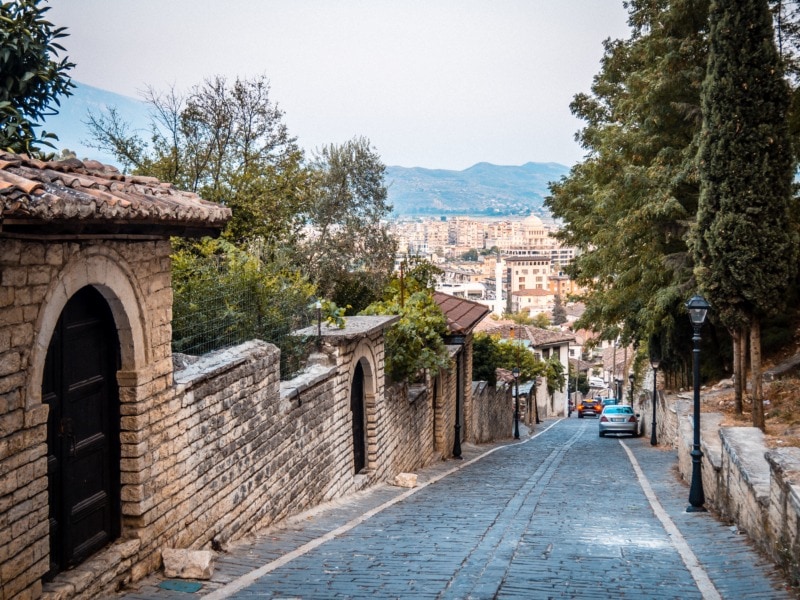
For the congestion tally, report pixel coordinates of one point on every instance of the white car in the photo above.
(597, 382)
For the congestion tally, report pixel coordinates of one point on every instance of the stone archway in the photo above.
(363, 387)
(109, 272)
(83, 446)
(105, 274)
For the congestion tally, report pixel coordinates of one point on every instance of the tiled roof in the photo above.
(539, 338)
(73, 196)
(545, 337)
(462, 315)
(533, 292)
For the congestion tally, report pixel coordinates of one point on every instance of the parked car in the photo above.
(589, 406)
(610, 401)
(617, 418)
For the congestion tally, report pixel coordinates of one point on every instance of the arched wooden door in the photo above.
(79, 384)
(357, 410)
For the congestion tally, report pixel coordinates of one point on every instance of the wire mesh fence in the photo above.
(219, 303)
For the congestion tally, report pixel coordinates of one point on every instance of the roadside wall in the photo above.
(493, 416)
(747, 483)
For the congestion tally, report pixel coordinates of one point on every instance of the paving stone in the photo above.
(559, 515)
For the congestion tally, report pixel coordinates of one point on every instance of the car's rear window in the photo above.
(619, 410)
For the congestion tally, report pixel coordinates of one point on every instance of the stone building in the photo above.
(108, 454)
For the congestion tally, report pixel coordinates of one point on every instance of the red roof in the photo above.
(462, 315)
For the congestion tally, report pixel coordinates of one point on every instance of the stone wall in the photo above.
(36, 280)
(745, 482)
(209, 452)
(492, 412)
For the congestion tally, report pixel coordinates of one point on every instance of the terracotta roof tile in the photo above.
(73, 192)
(539, 338)
(462, 315)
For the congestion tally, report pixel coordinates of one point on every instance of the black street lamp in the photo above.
(698, 309)
(654, 362)
(631, 378)
(515, 373)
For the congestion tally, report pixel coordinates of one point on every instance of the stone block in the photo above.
(188, 564)
(407, 480)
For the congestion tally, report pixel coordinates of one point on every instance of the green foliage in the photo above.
(416, 274)
(559, 311)
(582, 381)
(745, 242)
(228, 143)
(32, 81)
(513, 354)
(350, 256)
(490, 352)
(540, 320)
(470, 255)
(627, 206)
(554, 375)
(414, 343)
(485, 358)
(333, 314)
(224, 295)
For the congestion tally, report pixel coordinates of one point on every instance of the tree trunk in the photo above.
(755, 372)
(739, 373)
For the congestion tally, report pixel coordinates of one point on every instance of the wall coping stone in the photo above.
(312, 375)
(785, 464)
(710, 426)
(356, 327)
(746, 447)
(212, 364)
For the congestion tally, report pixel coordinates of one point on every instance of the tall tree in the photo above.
(349, 252)
(227, 142)
(559, 311)
(744, 242)
(32, 79)
(628, 204)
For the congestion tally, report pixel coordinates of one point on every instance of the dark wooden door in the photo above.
(357, 410)
(79, 384)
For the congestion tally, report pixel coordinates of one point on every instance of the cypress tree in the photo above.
(744, 244)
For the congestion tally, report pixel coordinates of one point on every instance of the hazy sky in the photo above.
(431, 83)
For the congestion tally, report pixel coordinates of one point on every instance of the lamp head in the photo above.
(515, 372)
(631, 377)
(698, 309)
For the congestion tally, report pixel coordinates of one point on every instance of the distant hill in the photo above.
(481, 190)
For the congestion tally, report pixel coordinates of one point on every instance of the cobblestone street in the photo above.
(559, 514)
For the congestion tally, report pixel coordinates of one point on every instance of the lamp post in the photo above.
(631, 378)
(698, 309)
(318, 307)
(654, 362)
(515, 373)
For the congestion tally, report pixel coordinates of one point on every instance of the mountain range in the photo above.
(483, 189)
